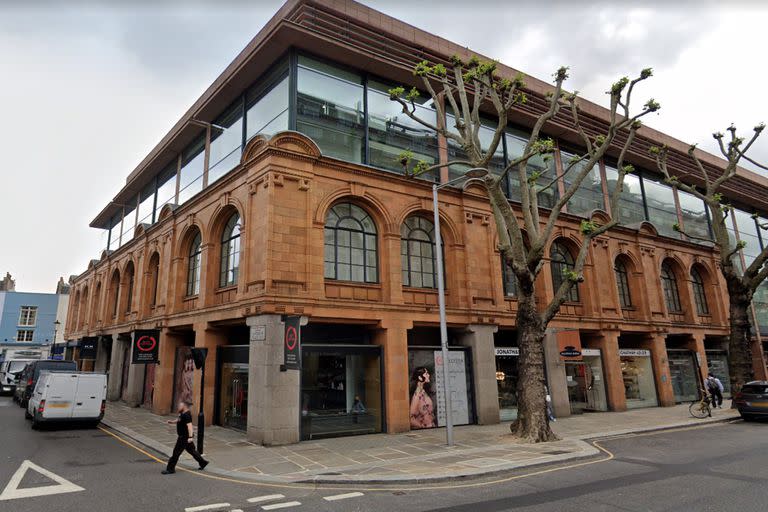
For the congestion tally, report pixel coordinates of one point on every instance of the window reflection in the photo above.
(631, 209)
(267, 106)
(662, 212)
(748, 233)
(129, 221)
(166, 187)
(226, 143)
(589, 195)
(390, 131)
(330, 109)
(147, 203)
(516, 142)
(694, 213)
(485, 134)
(191, 176)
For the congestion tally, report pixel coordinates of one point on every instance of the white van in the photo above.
(68, 396)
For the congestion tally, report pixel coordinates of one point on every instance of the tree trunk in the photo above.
(532, 424)
(740, 341)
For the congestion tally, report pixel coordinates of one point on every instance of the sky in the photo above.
(89, 88)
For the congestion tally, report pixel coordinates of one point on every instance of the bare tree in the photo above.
(525, 232)
(741, 285)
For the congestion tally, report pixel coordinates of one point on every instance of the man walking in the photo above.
(184, 441)
(715, 388)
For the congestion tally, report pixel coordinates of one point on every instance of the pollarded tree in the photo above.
(741, 285)
(469, 88)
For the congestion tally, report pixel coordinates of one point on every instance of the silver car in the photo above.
(8, 372)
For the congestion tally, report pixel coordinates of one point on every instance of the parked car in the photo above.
(752, 400)
(31, 373)
(63, 396)
(17, 389)
(8, 372)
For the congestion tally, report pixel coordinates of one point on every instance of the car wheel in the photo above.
(747, 417)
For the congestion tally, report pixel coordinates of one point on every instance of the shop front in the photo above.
(506, 380)
(683, 374)
(637, 373)
(231, 406)
(427, 399)
(585, 383)
(341, 390)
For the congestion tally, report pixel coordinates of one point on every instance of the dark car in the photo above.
(752, 400)
(31, 373)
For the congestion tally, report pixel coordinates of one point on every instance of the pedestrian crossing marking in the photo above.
(281, 505)
(202, 508)
(12, 491)
(268, 497)
(343, 496)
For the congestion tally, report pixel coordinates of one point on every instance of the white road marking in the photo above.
(12, 491)
(268, 497)
(281, 505)
(343, 496)
(236, 510)
(201, 508)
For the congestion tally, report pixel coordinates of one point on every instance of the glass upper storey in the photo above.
(350, 116)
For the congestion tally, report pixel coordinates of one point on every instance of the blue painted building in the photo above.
(28, 319)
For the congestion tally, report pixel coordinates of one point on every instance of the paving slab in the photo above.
(421, 456)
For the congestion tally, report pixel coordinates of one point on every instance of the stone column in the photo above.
(393, 338)
(480, 339)
(657, 344)
(210, 338)
(164, 371)
(116, 367)
(556, 381)
(134, 388)
(273, 395)
(101, 363)
(608, 343)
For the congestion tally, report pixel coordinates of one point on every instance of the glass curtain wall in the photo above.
(147, 204)
(166, 187)
(748, 233)
(129, 221)
(114, 233)
(662, 211)
(390, 131)
(694, 214)
(191, 175)
(226, 142)
(589, 195)
(485, 134)
(266, 104)
(631, 206)
(330, 109)
(516, 140)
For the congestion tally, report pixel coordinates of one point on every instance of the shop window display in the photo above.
(637, 372)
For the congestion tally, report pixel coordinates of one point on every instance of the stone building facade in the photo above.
(306, 218)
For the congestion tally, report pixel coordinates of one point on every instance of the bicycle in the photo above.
(703, 408)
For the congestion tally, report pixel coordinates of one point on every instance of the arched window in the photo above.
(561, 264)
(83, 320)
(622, 283)
(129, 294)
(230, 252)
(510, 279)
(671, 292)
(96, 305)
(417, 252)
(699, 294)
(154, 278)
(193, 266)
(350, 245)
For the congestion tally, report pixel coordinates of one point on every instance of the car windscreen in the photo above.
(16, 366)
(755, 389)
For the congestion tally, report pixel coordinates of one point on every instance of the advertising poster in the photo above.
(457, 373)
(184, 375)
(427, 404)
(146, 346)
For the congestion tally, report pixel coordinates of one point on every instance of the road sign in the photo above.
(12, 491)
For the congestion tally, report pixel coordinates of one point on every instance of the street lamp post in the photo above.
(472, 174)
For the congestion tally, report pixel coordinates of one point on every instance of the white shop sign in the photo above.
(258, 333)
(590, 352)
(507, 351)
(458, 383)
(634, 352)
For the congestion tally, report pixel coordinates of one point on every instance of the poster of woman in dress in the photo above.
(184, 375)
(422, 404)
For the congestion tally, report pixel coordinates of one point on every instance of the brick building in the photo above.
(279, 194)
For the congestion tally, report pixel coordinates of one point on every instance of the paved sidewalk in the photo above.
(410, 457)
